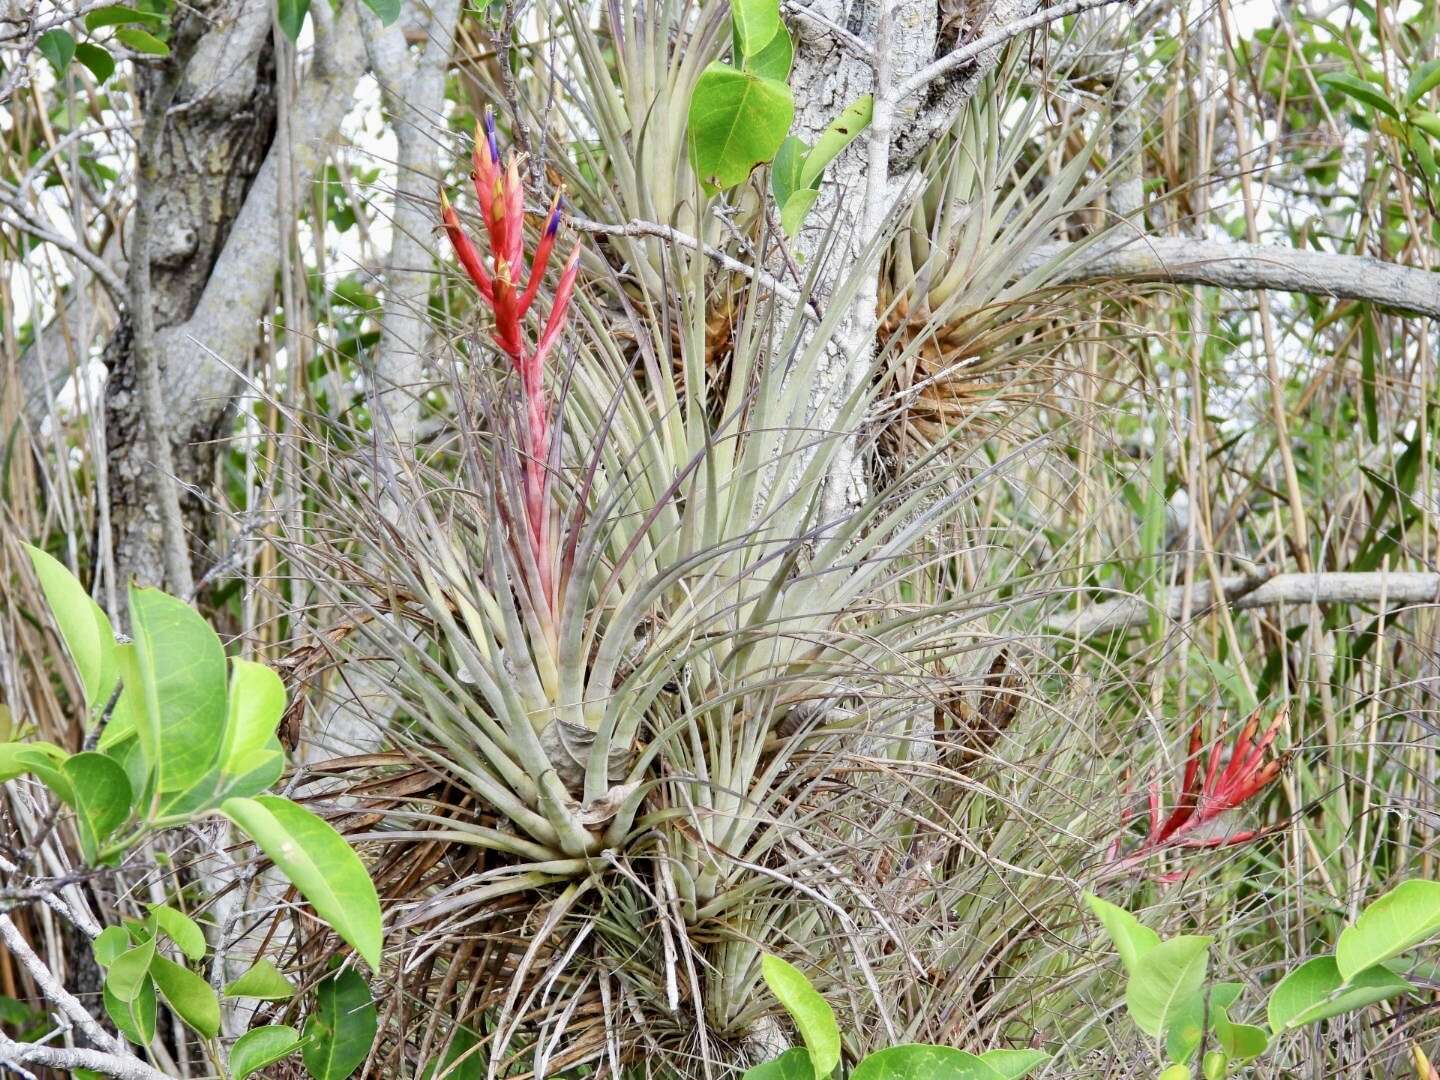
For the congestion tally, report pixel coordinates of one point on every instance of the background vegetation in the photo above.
(890, 556)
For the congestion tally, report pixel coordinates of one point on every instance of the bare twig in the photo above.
(1241, 591)
(675, 236)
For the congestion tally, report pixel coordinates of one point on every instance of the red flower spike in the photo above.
(465, 250)
(501, 194)
(1199, 803)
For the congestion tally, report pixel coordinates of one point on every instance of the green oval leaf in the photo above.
(775, 59)
(97, 59)
(1399, 920)
(756, 23)
(130, 971)
(102, 796)
(58, 47)
(141, 41)
(180, 665)
(263, 981)
(1317, 991)
(918, 1061)
(109, 944)
(188, 994)
(813, 1017)
(1165, 981)
(318, 862)
(737, 121)
(339, 1032)
(181, 929)
(1131, 938)
(134, 1018)
(18, 758)
(119, 15)
(83, 627)
(260, 1047)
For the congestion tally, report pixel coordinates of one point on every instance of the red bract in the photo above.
(1201, 802)
(509, 291)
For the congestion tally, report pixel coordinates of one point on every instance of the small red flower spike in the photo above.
(1201, 802)
(509, 290)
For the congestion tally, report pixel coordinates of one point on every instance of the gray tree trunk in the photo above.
(214, 141)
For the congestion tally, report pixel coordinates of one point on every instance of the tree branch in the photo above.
(1242, 592)
(1234, 265)
(958, 58)
(66, 1060)
(50, 986)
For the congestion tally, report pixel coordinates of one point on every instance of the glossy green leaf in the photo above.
(130, 971)
(181, 929)
(251, 758)
(387, 11)
(796, 209)
(1132, 938)
(182, 675)
(1013, 1064)
(319, 863)
(756, 23)
(1175, 1072)
(119, 15)
(338, 1033)
(290, 14)
(135, 1018)
(263, 981)
(58, 47)
(838, 134)
(792, 197)
(84, 628)
(97, 59)
(16, 759)
(737, 121)
(260, 1047)
(918, 1061)
(1422, 80)
(793, 1064)
(813, 1017)
(141, 41)
(1361, 91)
(109, 945)
(256, 705)
(775, 59)
(102, 797)
(1165, 981)
(1317, 991)
(1401, 919)
(188, 994)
